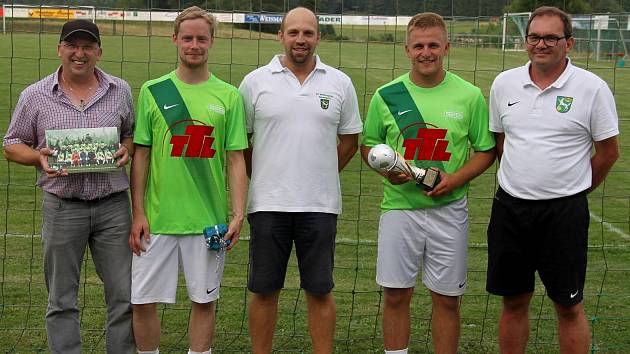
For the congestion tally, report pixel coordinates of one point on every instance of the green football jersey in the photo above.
(430, 127)
(189, 128)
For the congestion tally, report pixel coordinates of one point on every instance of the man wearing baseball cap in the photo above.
(85, 208)
(73, 27)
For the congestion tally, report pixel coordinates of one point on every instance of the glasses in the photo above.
(549, 41)
(86, 48)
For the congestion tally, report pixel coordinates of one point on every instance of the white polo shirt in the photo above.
(549, 133)
(295, 127)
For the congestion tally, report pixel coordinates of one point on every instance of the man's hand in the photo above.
(396, 177)
(44, 153)
(234, 232)
(445, 187)
(393, 177)
(139, 234)
(478, 163)
(122, 155)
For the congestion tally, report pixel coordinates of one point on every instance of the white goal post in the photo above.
(520, 24)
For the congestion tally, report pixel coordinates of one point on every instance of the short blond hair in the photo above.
(193, 13)
(426, 20)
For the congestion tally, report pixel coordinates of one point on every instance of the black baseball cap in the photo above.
(74, 26)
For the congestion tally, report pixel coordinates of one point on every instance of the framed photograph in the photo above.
(83, 149)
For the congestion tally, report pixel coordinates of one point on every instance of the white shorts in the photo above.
(154, 273)
(436, 238)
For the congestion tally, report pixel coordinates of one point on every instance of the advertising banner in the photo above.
(51, 13)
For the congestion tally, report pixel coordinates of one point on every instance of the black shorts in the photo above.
(548, 236)
(272, 238)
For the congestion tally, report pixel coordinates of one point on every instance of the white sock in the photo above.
(157, 351)
(209, 351)
(399, 351)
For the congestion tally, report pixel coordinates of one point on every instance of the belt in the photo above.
(90, 201)
(501, 193)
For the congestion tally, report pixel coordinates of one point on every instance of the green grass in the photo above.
(136, 57)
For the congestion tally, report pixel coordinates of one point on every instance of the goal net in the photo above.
(137, 46)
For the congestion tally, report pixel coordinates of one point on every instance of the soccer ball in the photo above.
(382, 157)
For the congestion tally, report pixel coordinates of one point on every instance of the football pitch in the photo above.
(27, 57)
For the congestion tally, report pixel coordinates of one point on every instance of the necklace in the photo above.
(83, 98)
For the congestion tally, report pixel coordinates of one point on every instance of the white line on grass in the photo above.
(607, 225)
(354, 241)
(610, 227)
(23, 235)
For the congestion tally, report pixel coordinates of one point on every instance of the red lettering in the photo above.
(411, 146)
(197, 134)
(440, 153)
(178, 142)
(207, 150)
(428, 145)
(197, 141)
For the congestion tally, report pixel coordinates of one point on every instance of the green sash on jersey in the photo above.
(398, 99)
(166, 94)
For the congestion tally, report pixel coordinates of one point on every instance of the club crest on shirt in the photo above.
(324, 100)
(563, 103)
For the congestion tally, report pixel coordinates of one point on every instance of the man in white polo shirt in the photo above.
(304, 118)
(547, 116)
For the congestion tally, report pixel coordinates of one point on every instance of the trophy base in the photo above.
(430, 180)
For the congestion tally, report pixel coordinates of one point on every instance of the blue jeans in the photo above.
(68, 227)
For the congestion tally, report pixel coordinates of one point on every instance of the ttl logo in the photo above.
(428, 145)
(197, 141)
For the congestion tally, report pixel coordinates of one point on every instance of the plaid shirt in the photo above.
(43, 105)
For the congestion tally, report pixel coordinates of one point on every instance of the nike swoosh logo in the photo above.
(461, 285)
(403, 112)
(171, 106)
(574, 294)
(208, 291)
(510, 104)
